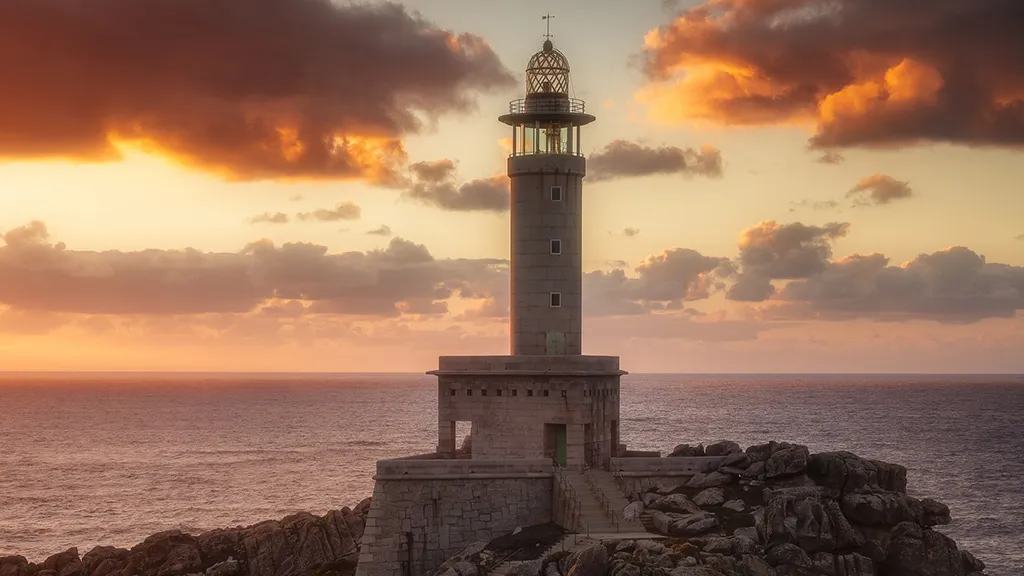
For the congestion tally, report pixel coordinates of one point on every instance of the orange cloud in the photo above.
(261, 89)
(861, 74)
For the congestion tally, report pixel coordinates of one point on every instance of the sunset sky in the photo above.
(295, 185)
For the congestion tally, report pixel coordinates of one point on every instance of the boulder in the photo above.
(590, 561)
(734, 505)
(849, 473)
(722, 448)
(678, 503)
(633, 511)
(882, 509)
(709, 497)
(687, 451)
(934, 513)
(917, 551)
(787, 462)
(701, 480)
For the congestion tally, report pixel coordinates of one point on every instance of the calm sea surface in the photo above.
(101, 459)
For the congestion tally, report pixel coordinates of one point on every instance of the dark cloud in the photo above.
(1020, 237)
(343, 211)
(624, 159)
(41, 276)
(830, 157)
(814, 205)
(879, 189)
(435, 184)
(631, 232)
(663, 282)
(250, 89)
(951, 285)
(867, 72)
(773, 251)
(383, 230)
(270, 218)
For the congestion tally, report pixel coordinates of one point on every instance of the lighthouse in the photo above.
(546, 169)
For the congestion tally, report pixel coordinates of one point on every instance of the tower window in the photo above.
(556, 247)
(556, 193)
(556, 299)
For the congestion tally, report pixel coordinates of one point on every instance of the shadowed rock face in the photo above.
(777, 510)
(299, 545)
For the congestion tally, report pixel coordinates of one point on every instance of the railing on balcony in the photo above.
(547, 105)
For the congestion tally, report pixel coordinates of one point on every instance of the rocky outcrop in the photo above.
(299, 545)
(775, 509)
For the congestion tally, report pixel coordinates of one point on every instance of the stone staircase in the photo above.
(593, 518)
(601, 503)
(604, 481)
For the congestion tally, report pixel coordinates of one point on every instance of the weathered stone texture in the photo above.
(444, 516)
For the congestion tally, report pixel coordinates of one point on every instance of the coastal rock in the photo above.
(917, 551)
(787, 462)
(849, 473)
(701, 480)
(632, 511)
(295, 546)
(687, 451)
(722, 448)
(882, 509)
(709, 497)
(934, 513)
(678, 503)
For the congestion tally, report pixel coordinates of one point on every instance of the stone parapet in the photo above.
(448, 469)
(672, 466)
(528, 365)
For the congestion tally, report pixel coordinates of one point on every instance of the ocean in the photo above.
(109, 459)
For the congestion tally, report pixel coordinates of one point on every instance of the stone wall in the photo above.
(637, 475)
(509, 399)
(426, 511)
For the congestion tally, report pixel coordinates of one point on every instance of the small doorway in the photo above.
(555, 446)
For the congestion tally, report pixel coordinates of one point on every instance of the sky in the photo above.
(300, 185)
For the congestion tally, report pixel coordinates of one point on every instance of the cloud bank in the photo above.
(248, 89)
(624, 159)
(863, 72)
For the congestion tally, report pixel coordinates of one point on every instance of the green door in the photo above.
(560, 448)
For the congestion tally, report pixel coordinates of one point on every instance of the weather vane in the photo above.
(548, 17)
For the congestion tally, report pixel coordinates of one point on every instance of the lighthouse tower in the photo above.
(546, 169)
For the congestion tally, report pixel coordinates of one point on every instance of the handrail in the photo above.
(602, 498)
(575, 506)
(542, 105)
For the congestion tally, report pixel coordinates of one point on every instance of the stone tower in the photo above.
(546, 169)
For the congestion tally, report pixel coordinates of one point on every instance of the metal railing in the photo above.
(574, 512)
(547, 105)
(602, 498)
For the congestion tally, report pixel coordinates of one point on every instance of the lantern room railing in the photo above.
(547, 105)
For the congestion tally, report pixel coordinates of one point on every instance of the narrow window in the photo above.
(556, 193)
(556, 299)
(556, 247)
(452, 391)
(529, 392)
(564, 394)
(499, 391)
(515, 392)
(546, 393)
(483, 392)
